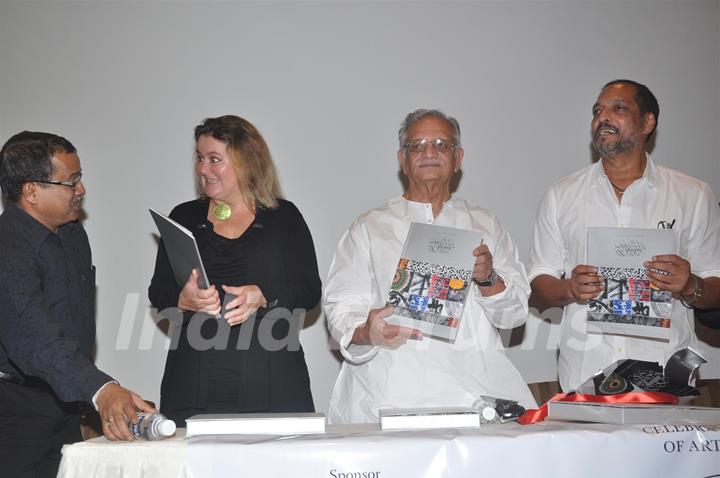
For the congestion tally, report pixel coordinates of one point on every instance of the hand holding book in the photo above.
(672, 273)
(584, 284)
(432, 280)
(667, 272)
(246, 300)
(192, 297)
(375, 331)
(484, 274)
(632, 302)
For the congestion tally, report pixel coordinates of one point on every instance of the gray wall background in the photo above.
(328, 84)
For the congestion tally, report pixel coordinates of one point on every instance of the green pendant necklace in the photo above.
(222, 212)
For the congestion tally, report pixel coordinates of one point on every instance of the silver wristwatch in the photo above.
(490, 281)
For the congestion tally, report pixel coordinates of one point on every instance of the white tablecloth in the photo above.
(361, 451)
(101, 457)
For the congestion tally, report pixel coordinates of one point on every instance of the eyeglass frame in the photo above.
(68, 184)
(426, 141)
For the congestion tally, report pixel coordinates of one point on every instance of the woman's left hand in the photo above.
(248, 299)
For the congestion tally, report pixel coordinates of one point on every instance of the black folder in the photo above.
(181, 249)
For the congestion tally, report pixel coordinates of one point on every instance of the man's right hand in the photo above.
(375, 331)
(199, 300)
(118, 408)
(584, 284)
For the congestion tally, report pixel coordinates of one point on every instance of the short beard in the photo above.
(610, 151)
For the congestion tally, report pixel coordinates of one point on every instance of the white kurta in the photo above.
(427, 372)
(661, 198)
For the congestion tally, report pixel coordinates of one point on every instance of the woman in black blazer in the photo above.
(237, 348)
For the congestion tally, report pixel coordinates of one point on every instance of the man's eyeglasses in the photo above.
(441, 145)
(70, 184)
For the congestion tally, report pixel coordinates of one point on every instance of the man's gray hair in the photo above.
(422, 113)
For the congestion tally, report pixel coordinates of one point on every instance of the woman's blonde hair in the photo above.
(250, 157)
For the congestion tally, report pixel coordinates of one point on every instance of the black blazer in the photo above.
(277, 254)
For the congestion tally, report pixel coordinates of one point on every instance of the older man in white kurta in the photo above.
(397, 369)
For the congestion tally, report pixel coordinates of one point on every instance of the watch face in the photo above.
(490, 280)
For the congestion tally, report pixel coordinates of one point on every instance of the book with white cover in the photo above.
(432, 417)
(432, 280)
(256, 424)
(181, 249)
(633, 413)
(629, 303)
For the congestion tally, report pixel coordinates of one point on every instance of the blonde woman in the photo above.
(237, 350)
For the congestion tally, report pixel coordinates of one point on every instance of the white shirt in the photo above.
(426, 372)
(661, 198)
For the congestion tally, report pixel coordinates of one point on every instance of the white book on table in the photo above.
(633, 413)
(431, 417)
(256, 424)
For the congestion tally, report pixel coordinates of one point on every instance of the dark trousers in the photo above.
(34, 425)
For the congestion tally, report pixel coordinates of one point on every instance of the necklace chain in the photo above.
(619, 190)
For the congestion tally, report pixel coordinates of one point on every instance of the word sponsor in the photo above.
(354, 474)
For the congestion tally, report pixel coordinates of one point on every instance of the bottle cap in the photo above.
(166, 428)
(489, 414)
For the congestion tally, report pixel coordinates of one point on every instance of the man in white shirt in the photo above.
(389, 366)
(625, 188)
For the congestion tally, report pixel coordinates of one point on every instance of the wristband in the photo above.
(695, 296)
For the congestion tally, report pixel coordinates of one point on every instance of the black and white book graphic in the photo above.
(629, 303)
(432, 279)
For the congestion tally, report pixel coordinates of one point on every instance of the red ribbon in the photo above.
(539, 414)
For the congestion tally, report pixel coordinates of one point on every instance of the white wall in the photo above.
(328, 84)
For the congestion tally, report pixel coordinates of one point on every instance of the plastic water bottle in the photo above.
(153, 426)
(494, 410)
(486, 406)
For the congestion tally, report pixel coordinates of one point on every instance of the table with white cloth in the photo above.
(555, 449)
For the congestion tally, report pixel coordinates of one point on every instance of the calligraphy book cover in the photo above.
(629, 303)
(432, 280)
